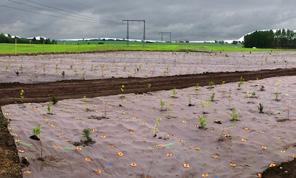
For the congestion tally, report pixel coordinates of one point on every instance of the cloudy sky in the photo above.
(186, 19)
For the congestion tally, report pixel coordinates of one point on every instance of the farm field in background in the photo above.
(77, 47)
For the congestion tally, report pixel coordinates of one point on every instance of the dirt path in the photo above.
(42, 92)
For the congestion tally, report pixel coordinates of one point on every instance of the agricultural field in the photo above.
(79, 47)
(229, 130)
(46, 68)
(148, 114)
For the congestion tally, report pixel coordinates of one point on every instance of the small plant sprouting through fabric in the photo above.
(49, 108)
(251, 95)
(240, 83)
(212, 99)
(155, 129)
(54, 100)
(22, 94)
(122, 90)
(234, 115)
(202, 122)
(36, 133)
(162, 105)
(260, 108)
(197, 88)
(277, 96)
(86, 136)
(174, 93)
(211, 85)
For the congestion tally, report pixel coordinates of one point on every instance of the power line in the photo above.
(61, 9)
(48, 13)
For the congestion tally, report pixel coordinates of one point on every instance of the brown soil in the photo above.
(9, 93)
(42, 92)
(9, 160)
(284, 170)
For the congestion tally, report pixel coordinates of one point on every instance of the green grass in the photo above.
(92, 46)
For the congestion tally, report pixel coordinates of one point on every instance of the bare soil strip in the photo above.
(42, 92)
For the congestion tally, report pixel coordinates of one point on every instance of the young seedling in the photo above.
(36, 132)
(197, 87)
(22, 95)
(212, 99)
(260, 108)
(202, 122)
(174, 93)
(251, 95)
(36, 136)
(122, 90)
(234, 115)
(155, 129)
(277, 96)
(54, 100)
(240, 83)
(211, 85)
(49, 108)
(162, 105)
(86, 136)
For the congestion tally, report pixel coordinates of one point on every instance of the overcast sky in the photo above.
(186, 19)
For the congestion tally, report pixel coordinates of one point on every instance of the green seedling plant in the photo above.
(240, 83)
(211, 85)
(251, 94)
(234, 115)
(49, 108)
(174, 93)
(260, 108)
(54, 100)
(212, 98)
(122, 90)
(36, 131)
(86, 136)
(162, 105)
(22, 95)
(277, 96)
(197, 89)
(202, 122)
(155, 129)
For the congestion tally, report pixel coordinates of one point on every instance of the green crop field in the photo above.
(92, 46)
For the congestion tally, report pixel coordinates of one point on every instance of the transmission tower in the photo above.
(127, 28)
(166, 33)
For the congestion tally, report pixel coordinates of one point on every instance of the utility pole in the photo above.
(166, 33)
(127, 28)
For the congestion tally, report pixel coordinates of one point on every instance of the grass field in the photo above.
(117, 46)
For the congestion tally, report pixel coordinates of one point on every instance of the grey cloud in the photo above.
(186, 19)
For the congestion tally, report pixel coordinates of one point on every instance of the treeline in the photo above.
(9, 39)
(270, 39)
